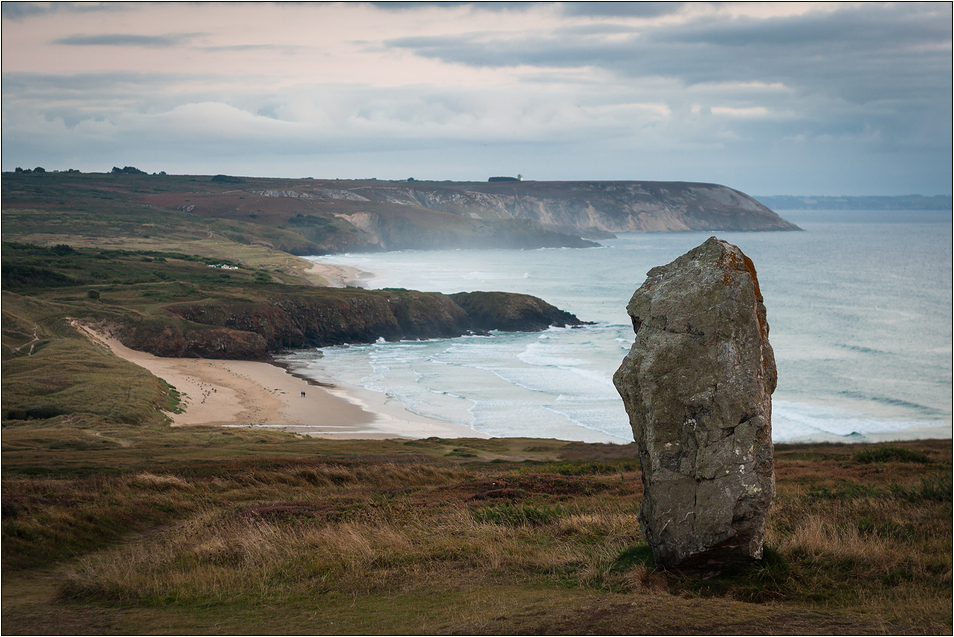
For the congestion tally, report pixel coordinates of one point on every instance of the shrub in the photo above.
(890, 454)
(519, 515)
(61, 249)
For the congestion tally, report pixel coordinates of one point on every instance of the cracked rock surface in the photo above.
(697, 385)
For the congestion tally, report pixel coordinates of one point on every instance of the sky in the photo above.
(768, 98)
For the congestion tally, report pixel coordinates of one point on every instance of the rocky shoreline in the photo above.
(253, 329)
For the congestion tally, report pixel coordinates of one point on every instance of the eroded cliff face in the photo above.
(583, 208)
(510, 312)
(423, 229)
(179, 339)
(310, 216)
(234, 328)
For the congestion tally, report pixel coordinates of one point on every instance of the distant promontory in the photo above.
(903, 202)
(321, 216)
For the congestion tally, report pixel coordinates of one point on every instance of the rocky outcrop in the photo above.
(511, 312)
(181, 339)
(317, 317)
(697, 386)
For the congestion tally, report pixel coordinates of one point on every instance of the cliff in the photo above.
(173, 304)
(238, 328)
(315, 216)
(339, 215)
(586, 208)
(510, 312)
(593, 209)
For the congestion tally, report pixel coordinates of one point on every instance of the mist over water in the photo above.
(859, 307)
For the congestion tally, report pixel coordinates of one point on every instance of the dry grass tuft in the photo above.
(647, 579)
(160, 482)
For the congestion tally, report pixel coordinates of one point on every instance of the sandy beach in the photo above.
(263, 395)
(339, 276)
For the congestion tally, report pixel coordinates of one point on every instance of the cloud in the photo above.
(127, 39)
(482, 6)
(747, 111)
(862, 54)
(880, 75)
(621, 9)
(17, 11)
(767, 98)
(259, 48)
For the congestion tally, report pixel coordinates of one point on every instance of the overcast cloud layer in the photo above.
(785, 98)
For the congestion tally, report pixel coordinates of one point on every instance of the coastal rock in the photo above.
(318, 317)
(183, 340)
(250, 328)
(511, 312)
(697, 386)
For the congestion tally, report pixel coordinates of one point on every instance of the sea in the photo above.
(859, 307)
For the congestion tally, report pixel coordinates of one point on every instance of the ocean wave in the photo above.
(796, 422)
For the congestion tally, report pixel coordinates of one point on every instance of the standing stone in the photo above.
(697, 385)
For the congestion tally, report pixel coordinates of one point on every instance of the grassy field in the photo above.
(121, 530)
(256, 220)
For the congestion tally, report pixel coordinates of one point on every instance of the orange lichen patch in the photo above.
(731, 263)
(750, 268)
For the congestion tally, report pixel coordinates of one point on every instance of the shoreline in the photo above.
(339, 276)
(253, 394)
(277, 396)
(938, 432)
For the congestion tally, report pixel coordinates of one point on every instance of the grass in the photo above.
(54, 376)
(235, 219)
(206, 530)
(890, 453)
(146, 213)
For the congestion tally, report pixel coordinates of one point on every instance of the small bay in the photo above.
(859, 305)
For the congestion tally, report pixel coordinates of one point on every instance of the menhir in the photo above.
(697, 385)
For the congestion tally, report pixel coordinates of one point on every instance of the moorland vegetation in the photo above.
(126, 529)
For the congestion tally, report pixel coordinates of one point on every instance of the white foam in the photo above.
(801, 422)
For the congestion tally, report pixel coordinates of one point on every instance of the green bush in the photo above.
(890, 454)
(519, 515)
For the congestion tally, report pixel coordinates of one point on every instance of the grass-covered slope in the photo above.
(208, 531)
(204, 213)
(53, 375)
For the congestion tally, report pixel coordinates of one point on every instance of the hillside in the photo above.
(311, 216)
(592, 208)
(203, 531)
